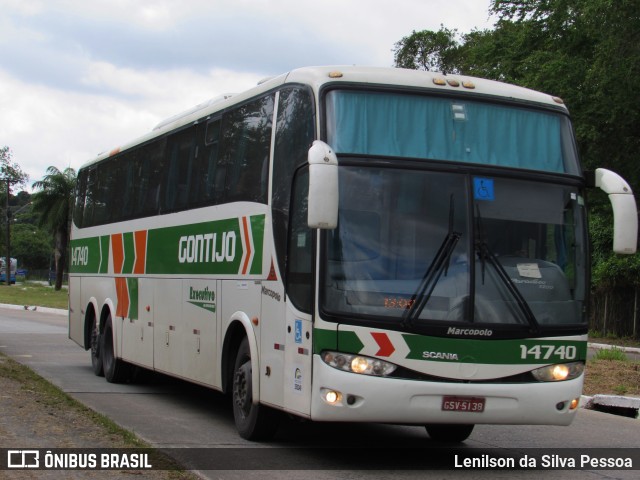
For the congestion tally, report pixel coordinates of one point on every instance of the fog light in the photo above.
(331, 396)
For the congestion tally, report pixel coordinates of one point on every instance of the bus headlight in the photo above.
(559, 372)
(358, 364)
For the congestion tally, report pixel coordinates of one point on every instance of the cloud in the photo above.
(79, 77)
(65, 128)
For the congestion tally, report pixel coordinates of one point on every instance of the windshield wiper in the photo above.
(486, 254)
(430, 279)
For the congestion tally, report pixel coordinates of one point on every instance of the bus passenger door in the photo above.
(299, 281)
(297, 370)
(272, 341)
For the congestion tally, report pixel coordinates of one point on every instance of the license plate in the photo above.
(463, 404)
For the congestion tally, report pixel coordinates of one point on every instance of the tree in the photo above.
(31, 246)
(10, 170)
(10, 174)
(427, 50)
(53, 203)
(586, 52)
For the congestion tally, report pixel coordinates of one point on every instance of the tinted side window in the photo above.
(81, 190)
(149, 167)
(245, 142)
(100, 194)
(181, 153)
(89, 199)
(206, 188)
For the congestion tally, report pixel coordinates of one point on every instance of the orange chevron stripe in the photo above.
(122, 292)
(140, 239)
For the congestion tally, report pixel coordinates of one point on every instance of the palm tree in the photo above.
(53, 204)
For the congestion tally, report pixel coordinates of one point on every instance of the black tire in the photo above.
(94, 348)
(449, 433)
(253, 422)
(115, 370)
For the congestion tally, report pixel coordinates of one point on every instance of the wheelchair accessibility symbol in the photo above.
(483, 189)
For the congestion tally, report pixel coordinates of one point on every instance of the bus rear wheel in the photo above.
(94, 344)
(253, 422)
(115, 370)
(450, 433)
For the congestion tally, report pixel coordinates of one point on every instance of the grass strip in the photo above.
(29, 294)
(45, 394)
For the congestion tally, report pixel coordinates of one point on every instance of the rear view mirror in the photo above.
(625, 213)
(323, 186)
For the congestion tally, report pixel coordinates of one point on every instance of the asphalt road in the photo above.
(172, 414)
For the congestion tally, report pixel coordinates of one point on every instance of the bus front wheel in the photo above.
(449, 433)
(253, 422)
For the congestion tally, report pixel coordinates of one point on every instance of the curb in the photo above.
(30, 308)
(627, 406)
(606, 346)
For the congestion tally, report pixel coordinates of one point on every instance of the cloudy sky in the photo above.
(78, 77)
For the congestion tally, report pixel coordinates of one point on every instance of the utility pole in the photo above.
(7, 265)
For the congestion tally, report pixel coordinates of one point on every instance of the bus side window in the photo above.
(127, 185)
(246, 141)
(152, 168)
(89, 199)
(81, 191)
(181, 152)
(206, 190)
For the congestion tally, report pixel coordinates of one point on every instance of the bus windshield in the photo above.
(448, 129)
(481, 250)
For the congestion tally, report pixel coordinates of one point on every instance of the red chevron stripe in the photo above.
(247, 242)
(386, 347)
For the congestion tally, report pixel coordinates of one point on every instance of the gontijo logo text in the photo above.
(206, 248)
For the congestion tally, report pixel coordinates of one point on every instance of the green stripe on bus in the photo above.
(105, 242)
(349, 342)
(324, 340)
(214, 248)
(344, 341)
(201, 248)
(257, 229)
(85, 255)
(129, 252)
(132, 287)
(525, 351)
(463, 350)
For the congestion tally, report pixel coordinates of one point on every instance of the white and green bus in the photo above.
(349, 244)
